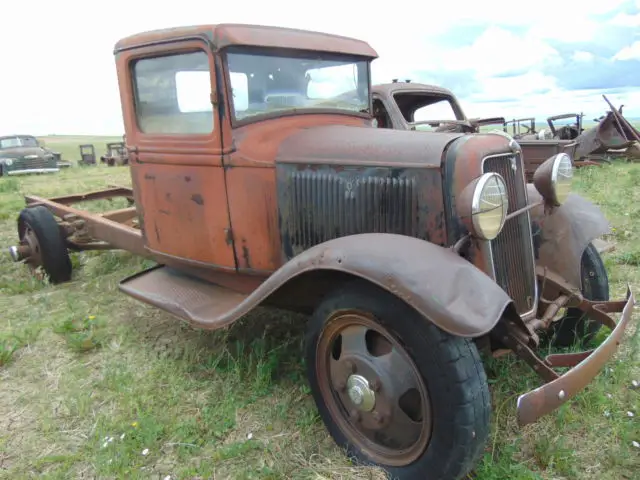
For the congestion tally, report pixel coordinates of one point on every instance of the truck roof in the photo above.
(227, 34)
(399, 86)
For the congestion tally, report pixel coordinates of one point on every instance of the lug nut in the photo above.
(375, 385)
(351, 367)
(355, 415)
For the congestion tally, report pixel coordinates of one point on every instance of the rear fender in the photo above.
(443, 287)
(561, 236)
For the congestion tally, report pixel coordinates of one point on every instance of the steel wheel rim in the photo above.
(373, 368)
(34, 260)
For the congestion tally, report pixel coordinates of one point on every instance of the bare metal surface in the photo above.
(418, 272)
(545, 399)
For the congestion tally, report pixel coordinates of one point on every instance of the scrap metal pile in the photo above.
(612, 136)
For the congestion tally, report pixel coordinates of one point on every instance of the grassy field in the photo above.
(97, 385)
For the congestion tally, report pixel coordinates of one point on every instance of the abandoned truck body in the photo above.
(396, 105)
(259, 180)
(22, 154)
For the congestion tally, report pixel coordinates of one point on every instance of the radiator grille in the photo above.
(323, 206)
(512, 250)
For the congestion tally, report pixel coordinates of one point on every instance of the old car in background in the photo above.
(415, 106)
(116, 154)
(21, 154)
(259, 180)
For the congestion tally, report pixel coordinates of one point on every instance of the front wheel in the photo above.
(394, 389)
(576, 326)
(39, 231)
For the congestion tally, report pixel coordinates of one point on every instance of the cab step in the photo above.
(203, 304)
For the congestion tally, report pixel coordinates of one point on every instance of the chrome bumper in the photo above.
(32, 170)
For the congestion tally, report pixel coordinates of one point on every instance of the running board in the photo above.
(200, 303)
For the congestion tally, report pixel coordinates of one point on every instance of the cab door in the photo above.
(174, 133)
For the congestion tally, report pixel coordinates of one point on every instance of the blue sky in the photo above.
(557, 57)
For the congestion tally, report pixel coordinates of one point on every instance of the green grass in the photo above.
(92, 379)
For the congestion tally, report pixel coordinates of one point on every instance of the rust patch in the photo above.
(245, 255)
(197, 199)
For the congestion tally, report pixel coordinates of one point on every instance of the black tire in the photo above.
(575, 326)
(53, 250)
(450, 368)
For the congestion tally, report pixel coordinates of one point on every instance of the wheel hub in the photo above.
(360, 394)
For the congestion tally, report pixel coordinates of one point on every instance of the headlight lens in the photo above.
(7, 161)
(561, 177)
(489, 206)
(553, 179)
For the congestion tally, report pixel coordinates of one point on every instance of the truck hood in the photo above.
(361, 145)
(18, 152)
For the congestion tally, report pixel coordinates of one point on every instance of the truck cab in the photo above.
(259, 178)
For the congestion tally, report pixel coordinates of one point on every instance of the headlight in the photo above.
(553, 179)
(483, 206)
(7, 161)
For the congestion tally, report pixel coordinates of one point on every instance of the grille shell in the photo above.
(511, 252)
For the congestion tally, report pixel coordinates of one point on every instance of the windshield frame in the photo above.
(291, 53)
(21, 139)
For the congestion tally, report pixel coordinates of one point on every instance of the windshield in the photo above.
(424, 108)
(13, 142)
(263, 82)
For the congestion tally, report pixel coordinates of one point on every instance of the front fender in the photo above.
(443, 287)
(561, 237)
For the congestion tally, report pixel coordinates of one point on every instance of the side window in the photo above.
(173, 94)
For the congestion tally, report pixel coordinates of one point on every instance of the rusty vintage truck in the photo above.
(416, 106)
(258, 179)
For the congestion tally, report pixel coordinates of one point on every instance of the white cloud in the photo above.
(626, 20)
(514, 87)
(631, 52)
(498, 51)
(542, 106)
(59, 73)
(581, 56)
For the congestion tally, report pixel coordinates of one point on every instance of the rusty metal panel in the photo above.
(320, 204)
(224, 35)
(347, 145)
(185, 212)
(254, 218)
(562, 235)
(419, 272)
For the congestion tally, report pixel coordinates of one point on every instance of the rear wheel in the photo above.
(395, 390)
(576, 326)
(48, 255)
